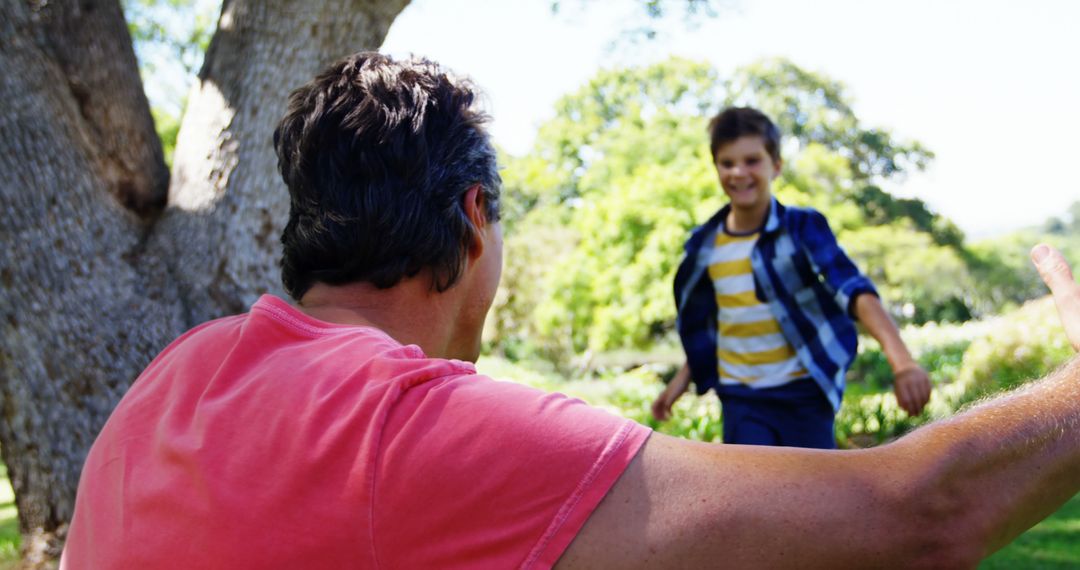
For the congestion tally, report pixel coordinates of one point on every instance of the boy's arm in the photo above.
(661, 406)
(841, 276)
(854, 292)
(911, 384)
(945, 496)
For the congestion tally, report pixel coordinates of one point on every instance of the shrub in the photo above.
(1020, 346)
(965, 362)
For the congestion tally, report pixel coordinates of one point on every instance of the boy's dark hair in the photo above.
(735, 122)
(377, 155)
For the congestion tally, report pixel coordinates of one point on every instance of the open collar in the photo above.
(772, 220)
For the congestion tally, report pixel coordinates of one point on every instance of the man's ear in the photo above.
(475, 206)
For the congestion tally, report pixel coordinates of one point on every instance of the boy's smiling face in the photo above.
(746, 173)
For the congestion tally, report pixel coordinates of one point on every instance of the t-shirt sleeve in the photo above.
(484, 474)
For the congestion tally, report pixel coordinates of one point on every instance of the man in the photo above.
(346, 431)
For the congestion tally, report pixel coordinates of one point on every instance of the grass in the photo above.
(1053, 544)
(9, 523)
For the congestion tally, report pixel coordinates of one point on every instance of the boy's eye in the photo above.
(753, 161)
(726, 163)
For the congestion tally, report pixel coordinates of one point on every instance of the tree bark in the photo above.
(99, 270)
(227, 201)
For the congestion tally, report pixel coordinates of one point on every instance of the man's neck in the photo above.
(411, 312)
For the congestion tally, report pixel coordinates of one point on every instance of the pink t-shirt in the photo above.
(272, 439)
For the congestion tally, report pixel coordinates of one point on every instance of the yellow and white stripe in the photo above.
(751, 348)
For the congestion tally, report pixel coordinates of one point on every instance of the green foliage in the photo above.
(881, 207)
(870, 414)
(1023, 345)
(1001, 267)
(598, 212)
(628, 393)
(1069, 224)
(966, 362)
(168, 127)
(179, 29)
(813, 108)
(532, 248)
(614, 288)
(1050, 545)
(9, 522)
(600, 208)
(651, 13)
(624, 118)
(916, 277)
(170, 38)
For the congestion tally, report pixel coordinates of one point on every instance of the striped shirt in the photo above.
(801, 273)
(751, 348)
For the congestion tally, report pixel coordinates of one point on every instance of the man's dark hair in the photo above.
(377, 155)
(735, 122)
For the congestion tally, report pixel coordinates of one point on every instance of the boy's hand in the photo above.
(661, 407)
(1055, 271)
(912, 387)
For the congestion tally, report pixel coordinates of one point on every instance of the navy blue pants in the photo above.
(796, 414)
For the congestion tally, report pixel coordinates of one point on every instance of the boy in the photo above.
(766, 299)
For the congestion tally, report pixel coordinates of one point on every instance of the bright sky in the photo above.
(988, 85)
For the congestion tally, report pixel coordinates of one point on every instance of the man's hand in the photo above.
(1055, 271)
(912, 387)
(661, 407)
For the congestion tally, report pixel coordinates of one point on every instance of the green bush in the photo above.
(965, 362)
(1022, 345)
(627, 393)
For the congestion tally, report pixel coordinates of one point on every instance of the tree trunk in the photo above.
(96, 277)
(227, 201)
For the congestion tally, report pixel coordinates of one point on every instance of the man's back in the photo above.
(273, 439)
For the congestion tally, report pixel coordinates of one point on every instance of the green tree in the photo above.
(626, 159)
(917, 278)
(810, 107)
(170, 38)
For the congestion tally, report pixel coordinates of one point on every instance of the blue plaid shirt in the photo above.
(804, 276)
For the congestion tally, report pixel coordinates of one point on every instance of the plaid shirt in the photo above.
(804, 276)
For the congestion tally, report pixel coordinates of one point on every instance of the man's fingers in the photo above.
(1057, 275)
(1053, 269)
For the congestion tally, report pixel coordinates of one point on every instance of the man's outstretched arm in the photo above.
(945, 496)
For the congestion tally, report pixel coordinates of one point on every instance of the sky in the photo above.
(992, 87)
